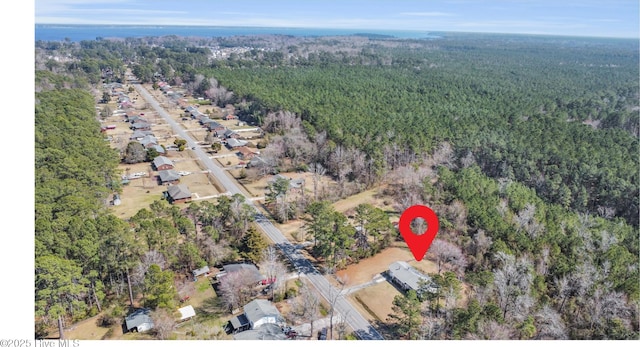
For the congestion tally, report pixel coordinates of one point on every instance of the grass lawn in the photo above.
(376, 301)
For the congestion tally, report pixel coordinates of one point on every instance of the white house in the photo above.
(260, 312)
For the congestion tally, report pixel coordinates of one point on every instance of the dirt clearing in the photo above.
(366, 269)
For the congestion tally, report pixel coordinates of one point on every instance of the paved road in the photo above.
(360, 326)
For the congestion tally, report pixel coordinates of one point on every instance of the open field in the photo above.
(88, 330)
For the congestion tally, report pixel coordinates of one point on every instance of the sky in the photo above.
(601, 18)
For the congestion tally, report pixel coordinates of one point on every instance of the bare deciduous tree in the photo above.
(318, 171)
(273, 268)
(549, 324)
(163, 323)
(512, 283)
(492, 331)
(306, 306)
(447, 254)
(237, 288)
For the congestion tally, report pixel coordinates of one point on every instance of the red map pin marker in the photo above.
(418, 244)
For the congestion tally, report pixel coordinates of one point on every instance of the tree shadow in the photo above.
(211, 308)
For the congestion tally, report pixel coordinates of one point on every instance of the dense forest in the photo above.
(526, 147)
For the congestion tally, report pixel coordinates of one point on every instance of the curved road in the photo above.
(360, 326)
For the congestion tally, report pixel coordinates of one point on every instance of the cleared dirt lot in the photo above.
(366, 269)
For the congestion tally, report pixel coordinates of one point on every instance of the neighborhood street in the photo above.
(358, 323)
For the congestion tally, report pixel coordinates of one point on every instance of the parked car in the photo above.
(322, 334)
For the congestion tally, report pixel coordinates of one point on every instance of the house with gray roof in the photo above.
(178, 193)
(409, 278)
(168, 176)
(231, 268)
(213, 125)
(139, 135)
(162, 163)
(201, 271)
(231, 134)
(140, 126)
(149, 141)
(159, 149)
(267, 331)
(256, 313)
(233, 143)
(139, 321)
(260, 311)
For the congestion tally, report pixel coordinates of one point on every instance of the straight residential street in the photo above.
(360, 326)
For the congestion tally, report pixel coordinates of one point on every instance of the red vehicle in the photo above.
(268, 281)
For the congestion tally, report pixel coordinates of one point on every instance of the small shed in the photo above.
(186, 312)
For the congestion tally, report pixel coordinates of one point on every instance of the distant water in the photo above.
(59, 32)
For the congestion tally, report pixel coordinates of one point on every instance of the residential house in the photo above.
(409, 278)
(256, 313)
(168, 176)
(201, 271)
(178, 193)
(260, 311)
(233, 143)
(245, 153)
(231, 268)
(266, 331)
(159, 149)
(257, 161)
(139, 321)
(212, 125)
(294, 184)
(220, 132)
(162, 163)
(149, 141)
(228, 134)
(140, 134)
(144, 126)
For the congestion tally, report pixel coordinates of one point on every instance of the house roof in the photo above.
(186, 312)
(260, 308)
(257, 161)
(229, 132)
(407, 274)
(200, 271)
(139, 318)
(267, 331)
(148, 140)
(161, 160)
(179, 191)
(235, 142)
(211, 124)
(168, 176)
(140, 134)
(140, 125)
(158, 148)
(244, 150)
(238, 322)
(230, 268)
